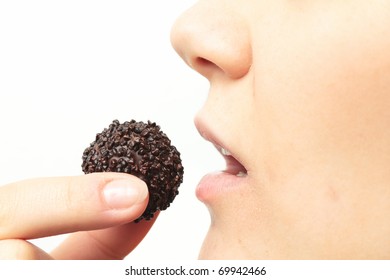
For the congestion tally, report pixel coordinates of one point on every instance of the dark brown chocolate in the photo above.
(143, 150)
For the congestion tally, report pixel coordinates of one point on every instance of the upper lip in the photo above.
(234, 165)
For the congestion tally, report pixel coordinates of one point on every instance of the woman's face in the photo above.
(300, 98)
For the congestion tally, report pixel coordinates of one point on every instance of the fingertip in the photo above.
(124, 193)
(107, 198)
(123, 197)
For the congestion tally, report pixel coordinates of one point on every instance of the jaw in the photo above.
(301, 218)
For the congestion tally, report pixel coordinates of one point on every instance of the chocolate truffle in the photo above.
(140, 149)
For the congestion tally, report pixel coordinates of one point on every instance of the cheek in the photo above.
(323, 92)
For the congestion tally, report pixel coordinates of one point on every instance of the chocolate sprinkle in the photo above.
(143, 150)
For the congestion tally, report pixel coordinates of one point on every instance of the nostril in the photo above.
(202, 62)
(205, 67)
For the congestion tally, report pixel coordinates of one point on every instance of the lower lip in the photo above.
(217, 184)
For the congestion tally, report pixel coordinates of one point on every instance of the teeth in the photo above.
(225, 152)
(241, 174)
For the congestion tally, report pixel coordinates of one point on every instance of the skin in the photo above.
(98, 222)
(301, 92)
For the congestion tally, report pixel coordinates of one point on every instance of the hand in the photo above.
(96, 209)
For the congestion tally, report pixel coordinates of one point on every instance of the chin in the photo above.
(217, 247)
(228, 241)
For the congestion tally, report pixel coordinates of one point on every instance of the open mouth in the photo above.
(233, 166)
(219, 184)
(235, 177)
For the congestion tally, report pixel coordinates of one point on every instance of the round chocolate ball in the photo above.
(143, 150)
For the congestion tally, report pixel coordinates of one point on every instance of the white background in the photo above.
(68, 68)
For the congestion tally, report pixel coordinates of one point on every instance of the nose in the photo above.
(213, 39)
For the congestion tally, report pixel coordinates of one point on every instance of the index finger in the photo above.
(50, 206)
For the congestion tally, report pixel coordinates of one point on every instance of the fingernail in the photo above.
(123, 193)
